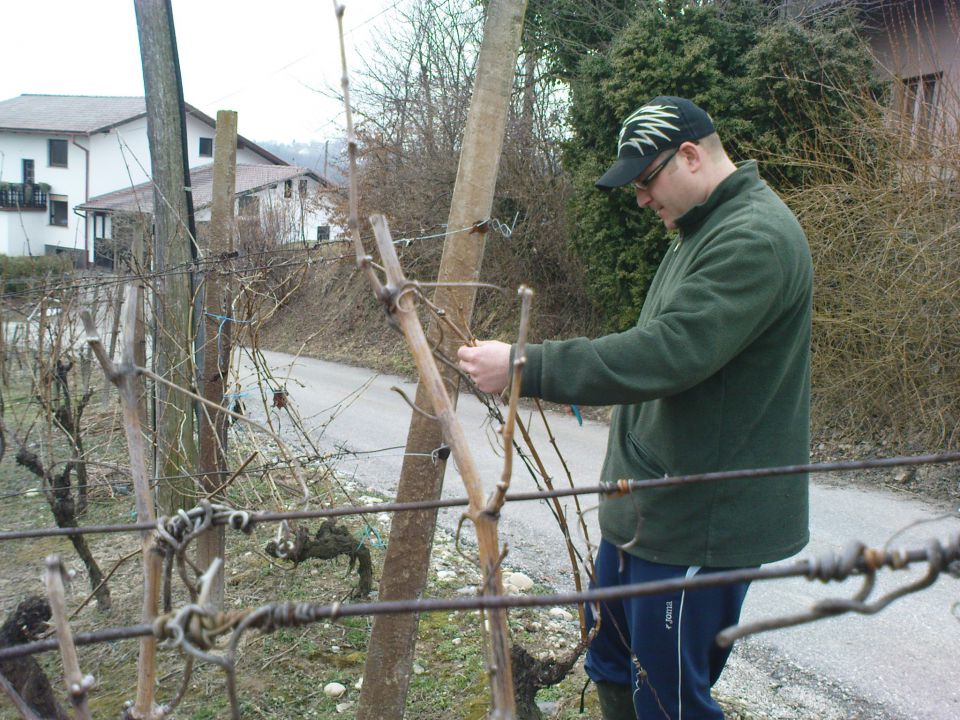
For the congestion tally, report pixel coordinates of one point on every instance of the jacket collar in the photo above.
(738, 181)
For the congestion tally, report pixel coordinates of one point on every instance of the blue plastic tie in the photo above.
(576, 413)
(369, 532)
(223, 319)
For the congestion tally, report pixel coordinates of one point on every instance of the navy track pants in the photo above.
(671, 636)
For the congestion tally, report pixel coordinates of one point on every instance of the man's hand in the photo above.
(487, 364)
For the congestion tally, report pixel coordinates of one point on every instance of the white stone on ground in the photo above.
(334, 690)
(518, 580)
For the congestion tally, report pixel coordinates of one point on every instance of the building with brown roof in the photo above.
(59, 152)
(273, 205)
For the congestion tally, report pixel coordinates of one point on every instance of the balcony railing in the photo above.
(22, 195)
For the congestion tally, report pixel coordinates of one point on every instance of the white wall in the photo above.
(68, 182)
(117, 158)
(922, 38)
(121, 156)
(4, 235)
(12, 231)
(295, 218)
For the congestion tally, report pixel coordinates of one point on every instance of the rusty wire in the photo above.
(856, 561)
(614, 488)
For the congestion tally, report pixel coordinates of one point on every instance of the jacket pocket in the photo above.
(644, 459)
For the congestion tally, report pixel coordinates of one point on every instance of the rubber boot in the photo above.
(616, 701)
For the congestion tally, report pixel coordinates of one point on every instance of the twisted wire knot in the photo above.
(240, 520)
(192, 626)
(833, 566)
(177, 530)
(285, 615)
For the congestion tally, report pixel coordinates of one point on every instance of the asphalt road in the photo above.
(899, 663)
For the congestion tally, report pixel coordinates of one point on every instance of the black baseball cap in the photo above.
(664, 122)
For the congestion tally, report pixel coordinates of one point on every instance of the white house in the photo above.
(274, 204)
(57, 152)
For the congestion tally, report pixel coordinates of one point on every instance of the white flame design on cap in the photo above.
(651, 119)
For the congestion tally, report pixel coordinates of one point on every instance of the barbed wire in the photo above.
(830, 566)
(606, 488)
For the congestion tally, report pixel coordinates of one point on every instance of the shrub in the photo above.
(20, 273)
(765, 81)
(881, 209)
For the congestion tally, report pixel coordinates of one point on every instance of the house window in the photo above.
(58, 210)
(57, 153)
(288, 188)
(323, 233)
(919, 102)
(99, 226)
(28, 176)
(206, 147)
(249, 205)
(302, 188)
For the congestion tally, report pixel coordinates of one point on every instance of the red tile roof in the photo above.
(250, 178)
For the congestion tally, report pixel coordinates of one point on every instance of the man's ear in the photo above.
(692, 155)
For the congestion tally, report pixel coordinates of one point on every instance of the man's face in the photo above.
(662, 187)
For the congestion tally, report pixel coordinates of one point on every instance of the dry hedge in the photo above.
(882, 213)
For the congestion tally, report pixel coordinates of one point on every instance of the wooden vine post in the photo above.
(217, 345)
(393, 640)
(77, 684)
(173, 248)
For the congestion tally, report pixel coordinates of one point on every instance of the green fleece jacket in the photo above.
(715, 376)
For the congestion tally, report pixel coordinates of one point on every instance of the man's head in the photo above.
(670, 151)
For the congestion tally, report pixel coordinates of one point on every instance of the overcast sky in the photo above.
(263, 58)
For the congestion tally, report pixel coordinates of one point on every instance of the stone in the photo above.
(561, 614)
(906, 475)
(334, 690)
(518, 580)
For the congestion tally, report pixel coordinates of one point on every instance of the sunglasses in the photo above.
(648, 180)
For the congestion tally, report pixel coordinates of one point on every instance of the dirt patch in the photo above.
(334, 316)
(938, 483)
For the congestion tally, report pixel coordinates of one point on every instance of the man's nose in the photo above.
(643, 197)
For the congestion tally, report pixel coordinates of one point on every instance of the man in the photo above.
(715, 376)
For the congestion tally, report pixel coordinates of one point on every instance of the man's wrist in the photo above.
(530, 374)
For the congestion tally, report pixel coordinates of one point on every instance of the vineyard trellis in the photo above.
(194, 626)
(862, 562)
(858, 560)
